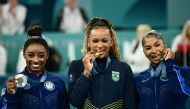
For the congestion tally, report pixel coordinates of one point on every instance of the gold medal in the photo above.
(96, 54)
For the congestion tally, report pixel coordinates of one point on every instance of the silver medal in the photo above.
(21, 80)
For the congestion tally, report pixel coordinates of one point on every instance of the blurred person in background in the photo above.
(12, 17)
(133, 52)
(72, 18)
(183, 37)
(3, 60)
(181, 46)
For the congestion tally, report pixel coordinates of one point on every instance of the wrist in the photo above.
(11, 91)
(86, 73)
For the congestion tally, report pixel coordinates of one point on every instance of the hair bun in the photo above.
(35, 31)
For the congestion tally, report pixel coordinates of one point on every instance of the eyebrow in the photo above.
(33, 52)
(157, 42)
(154, 43)
(100, 38)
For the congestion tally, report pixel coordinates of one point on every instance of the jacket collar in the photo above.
(42, 77)
(146, 75)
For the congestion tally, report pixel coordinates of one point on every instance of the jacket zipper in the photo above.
(156, 93)
(101, 81)
(41, 104)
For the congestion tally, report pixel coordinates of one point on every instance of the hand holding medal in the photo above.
(19, 81)
(96, 54)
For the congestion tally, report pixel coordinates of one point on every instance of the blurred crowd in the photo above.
(72, 18)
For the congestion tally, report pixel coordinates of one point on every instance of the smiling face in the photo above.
(154, 49)
(36, 56)
(100, 41)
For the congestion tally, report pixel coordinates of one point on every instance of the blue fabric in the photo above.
(4, 105)
(33, 80)
(101, 90)
(96, 70)
(185, 87)
(157, 94)
(40, 95)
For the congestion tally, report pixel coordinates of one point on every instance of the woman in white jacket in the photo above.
(12, 17)
(181, 46)
(133, 52)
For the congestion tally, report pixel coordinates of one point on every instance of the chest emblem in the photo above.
(115, 76)
(49, 85)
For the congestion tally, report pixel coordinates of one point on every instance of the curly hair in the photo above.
(102, 22)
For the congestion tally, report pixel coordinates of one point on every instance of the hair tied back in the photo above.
(35, 32)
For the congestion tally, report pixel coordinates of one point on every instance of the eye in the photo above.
(147, 48)
(95, 40)
(157, 45)
(41, 55)
(30, 55)
(105, 40)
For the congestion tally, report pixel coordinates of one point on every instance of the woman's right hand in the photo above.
(11, 85)
(88, 64)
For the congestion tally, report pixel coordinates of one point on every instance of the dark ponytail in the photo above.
(35, 31)
(35, 36)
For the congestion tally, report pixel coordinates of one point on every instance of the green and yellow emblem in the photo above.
(115, 76)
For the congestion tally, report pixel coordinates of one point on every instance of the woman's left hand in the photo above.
(168, 54)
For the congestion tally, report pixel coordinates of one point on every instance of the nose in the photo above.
(99, 44)
(153, 50)
(35, 59)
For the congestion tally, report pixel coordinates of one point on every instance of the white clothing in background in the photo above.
(3, 60)
(72, 21)
(175, 42)
(71, 51)
(12, 24)
(21, 63)
(137, 60)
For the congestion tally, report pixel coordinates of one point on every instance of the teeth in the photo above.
(154, 56)
(35, 65)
